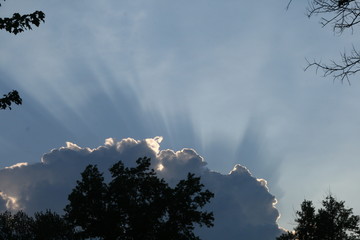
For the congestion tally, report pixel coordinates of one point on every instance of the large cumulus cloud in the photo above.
(243, 206)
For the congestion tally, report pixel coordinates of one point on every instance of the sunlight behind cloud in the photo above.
(17, 165)
(11, 202)
(223, 77)
(160, 167)
(154, 143)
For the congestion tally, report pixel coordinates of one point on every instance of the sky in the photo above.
(225, 79)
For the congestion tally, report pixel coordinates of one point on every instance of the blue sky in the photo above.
(222, 77)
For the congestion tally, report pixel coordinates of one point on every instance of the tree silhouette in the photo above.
(44, 226)
(331, 222)
(8, 99)
(341, 15)
(134, 205)
(137, 205)
(87, 207)
(15, 227)
(49, 225)
(17, 24)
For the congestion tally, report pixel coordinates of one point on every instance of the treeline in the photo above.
(46, 225)
(135, 205)
(333, 221)
(138, 205)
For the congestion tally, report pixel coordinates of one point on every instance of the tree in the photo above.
(342, 15)
(17, 24)
(331, 222)
(136, 204)
(49, 225)
(15, 227)
(87, 206)
(44, 226)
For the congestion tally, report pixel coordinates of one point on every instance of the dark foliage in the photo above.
(331, 222)
(49, 225)
(15, 227)
(137, 205)
(8, 99)
(45, 226)
(17, 24)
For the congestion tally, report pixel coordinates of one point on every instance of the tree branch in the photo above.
(342, 14)
(349, 65)
(19, 23)
(8, 99)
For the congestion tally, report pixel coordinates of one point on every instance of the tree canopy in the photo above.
(137, 205)
(331, 222)
(43, 226)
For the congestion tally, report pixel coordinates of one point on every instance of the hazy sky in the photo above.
(222, 77)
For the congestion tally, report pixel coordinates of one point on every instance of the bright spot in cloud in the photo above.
(10, 202)
(160, 167)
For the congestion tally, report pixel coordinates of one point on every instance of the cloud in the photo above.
(243, 206)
